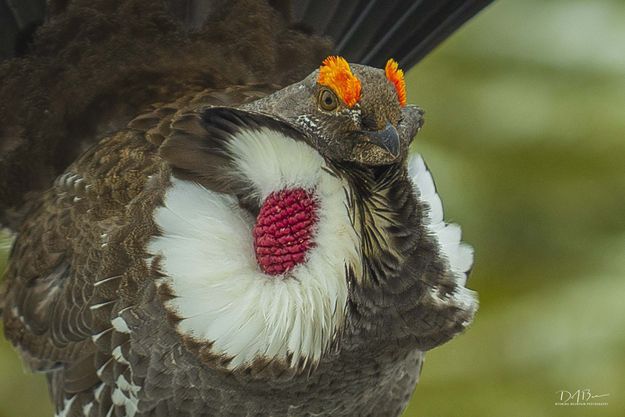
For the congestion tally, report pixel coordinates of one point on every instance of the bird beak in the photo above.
(387, 139)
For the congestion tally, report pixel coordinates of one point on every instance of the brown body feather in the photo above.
(97, 64)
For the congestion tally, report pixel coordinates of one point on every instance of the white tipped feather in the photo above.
(67, 406)
(208, 258)
(120, 325)
(459, 255)
(86, 409)
(125, 395)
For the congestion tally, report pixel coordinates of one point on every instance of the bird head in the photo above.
(350, 113)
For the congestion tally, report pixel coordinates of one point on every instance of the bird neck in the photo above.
(396, 249)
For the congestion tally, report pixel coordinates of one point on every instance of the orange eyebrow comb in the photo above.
(336, 74)
(396, 76)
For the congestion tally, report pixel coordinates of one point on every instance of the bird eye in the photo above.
(328, 100)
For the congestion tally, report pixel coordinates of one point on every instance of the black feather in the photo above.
(369, 32)
(18, 21)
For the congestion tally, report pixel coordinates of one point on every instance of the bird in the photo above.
(216, 210)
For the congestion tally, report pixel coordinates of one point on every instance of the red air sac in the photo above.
(283, 230)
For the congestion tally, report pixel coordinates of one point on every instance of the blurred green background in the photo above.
(525, 134)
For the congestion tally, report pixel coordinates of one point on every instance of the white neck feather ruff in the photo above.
(209, 262)
(458, 254)
(220, 293)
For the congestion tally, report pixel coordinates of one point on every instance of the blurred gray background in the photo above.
(525, 135)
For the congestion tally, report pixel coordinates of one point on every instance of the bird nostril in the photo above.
(369, 122)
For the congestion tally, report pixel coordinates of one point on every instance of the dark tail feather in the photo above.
(18, 21)
(369, 32)
(364, 31)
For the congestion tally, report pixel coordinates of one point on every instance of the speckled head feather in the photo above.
(336, 74)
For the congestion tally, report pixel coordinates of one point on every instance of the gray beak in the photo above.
(387, 139)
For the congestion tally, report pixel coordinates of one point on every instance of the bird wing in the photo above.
(68, 265)
(78, 257)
